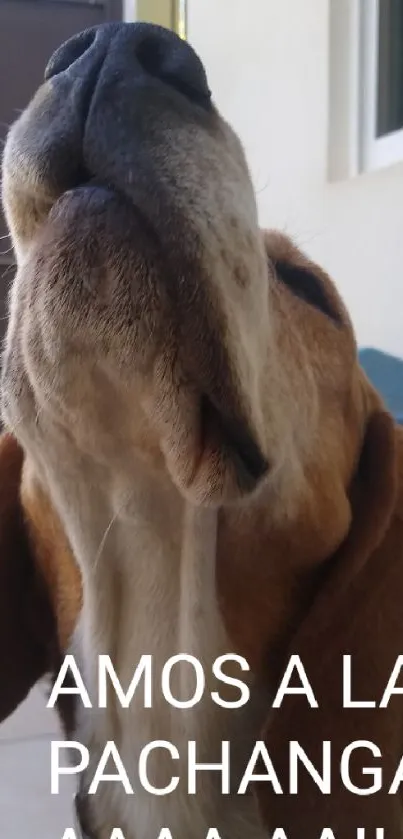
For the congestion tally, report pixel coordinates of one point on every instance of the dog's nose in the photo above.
(147, 51)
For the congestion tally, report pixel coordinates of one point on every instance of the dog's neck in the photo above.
(136, 539)
(148, 569)
(136, 542)
(163, 578)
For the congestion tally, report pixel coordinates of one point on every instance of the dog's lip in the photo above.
(253, 466)
(110, 191)
(89, 183)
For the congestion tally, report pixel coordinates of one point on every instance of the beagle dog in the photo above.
(193, 461)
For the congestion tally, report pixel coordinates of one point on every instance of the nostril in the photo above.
(158, 52)
(165, 56)
(69, 52)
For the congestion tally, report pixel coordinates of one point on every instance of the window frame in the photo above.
(174, 11)
(354, 147)
(376, 152)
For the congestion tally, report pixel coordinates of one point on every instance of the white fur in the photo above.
(148, 564)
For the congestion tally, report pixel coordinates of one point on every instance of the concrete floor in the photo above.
(27, 808)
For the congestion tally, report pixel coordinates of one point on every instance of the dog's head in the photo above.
(150, 318)
(154, 329)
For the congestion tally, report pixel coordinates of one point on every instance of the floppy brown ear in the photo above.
(27, 629)
(357, 612)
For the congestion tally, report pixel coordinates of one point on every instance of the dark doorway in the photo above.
(30, 30)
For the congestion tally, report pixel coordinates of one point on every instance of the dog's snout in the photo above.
(165, 56)
(69, 53)
(145, 49)
(115, 101)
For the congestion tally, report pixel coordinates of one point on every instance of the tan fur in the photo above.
(54, 558)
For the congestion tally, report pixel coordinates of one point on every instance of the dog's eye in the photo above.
(306, 285)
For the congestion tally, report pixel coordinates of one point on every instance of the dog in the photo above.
(193, 461)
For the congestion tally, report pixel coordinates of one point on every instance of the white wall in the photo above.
(268, 66)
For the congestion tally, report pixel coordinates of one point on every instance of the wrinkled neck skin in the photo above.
(148, 563)
(137, 541)
(163, 577)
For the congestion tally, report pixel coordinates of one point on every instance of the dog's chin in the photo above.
(107, 326)
(212, 458)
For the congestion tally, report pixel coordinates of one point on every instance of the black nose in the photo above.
(148, 50)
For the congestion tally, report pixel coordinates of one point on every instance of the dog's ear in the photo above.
(27, 627)
(358, 613)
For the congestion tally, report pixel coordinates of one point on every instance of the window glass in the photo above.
(390, 67)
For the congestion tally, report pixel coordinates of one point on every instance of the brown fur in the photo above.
(357, 611)
(54, 560)
(27, 619)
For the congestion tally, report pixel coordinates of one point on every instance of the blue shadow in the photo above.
(386, 374)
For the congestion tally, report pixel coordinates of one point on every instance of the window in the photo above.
(169, 13)
(366, 85)
(382, 83)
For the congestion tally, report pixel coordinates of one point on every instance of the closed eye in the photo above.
(307, 286)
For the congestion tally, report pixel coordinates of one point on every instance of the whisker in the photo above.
(304, 241)
(263, 188)
(109, 529)
(8, 270)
